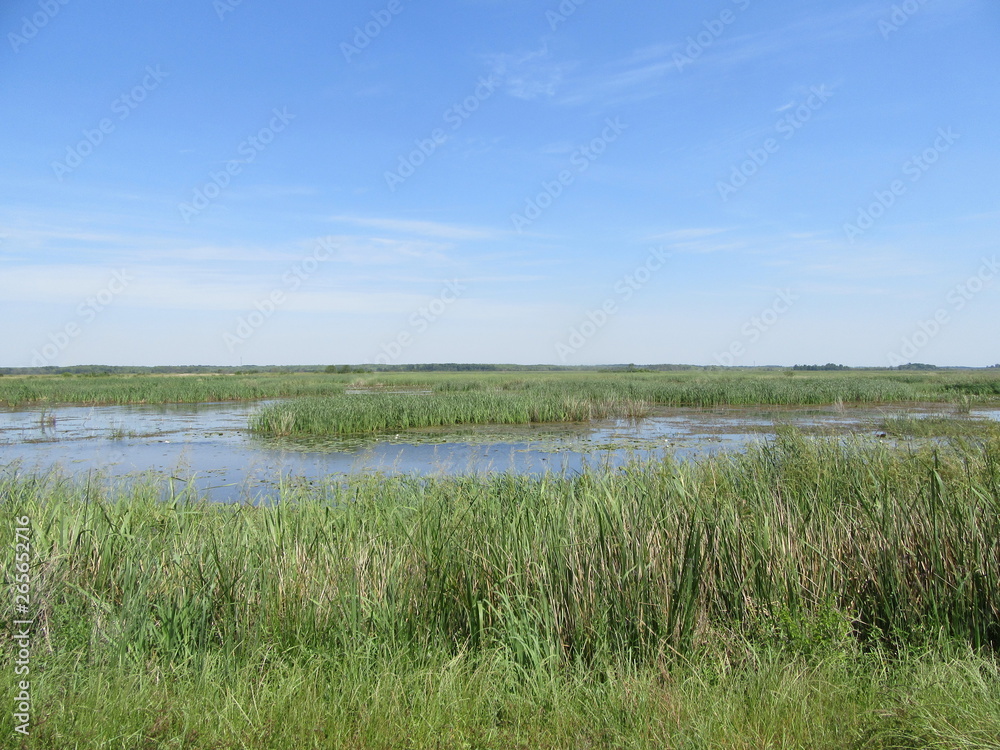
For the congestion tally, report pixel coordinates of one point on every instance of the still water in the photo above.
(210, 446)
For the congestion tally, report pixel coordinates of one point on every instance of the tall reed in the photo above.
(797, 542)
(392, 411)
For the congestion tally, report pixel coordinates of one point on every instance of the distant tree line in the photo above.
(344, 369)
(827, 366)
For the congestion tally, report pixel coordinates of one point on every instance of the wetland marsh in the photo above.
(241, 449)
(708, 560)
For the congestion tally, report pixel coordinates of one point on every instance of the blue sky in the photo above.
(733, 182)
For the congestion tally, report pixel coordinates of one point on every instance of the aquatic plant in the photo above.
(812, 592)
(383, 412)
(629, 561)
(449, 399)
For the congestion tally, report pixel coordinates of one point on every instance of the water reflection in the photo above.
(209, 444)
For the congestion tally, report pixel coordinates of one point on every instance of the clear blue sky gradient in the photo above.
(735, 182)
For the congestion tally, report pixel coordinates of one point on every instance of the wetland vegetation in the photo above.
(692, 387)
(807, 592)
(377, 405)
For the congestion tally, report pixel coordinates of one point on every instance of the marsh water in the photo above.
(210, 446)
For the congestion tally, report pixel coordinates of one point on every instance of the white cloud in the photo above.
(420, 228)
(530, 75)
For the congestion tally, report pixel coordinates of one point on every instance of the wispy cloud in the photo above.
(811, 30)
(648, 71)
(419, 228)
(639, 76)
(177, 288)
(530, 75)
(679, 235)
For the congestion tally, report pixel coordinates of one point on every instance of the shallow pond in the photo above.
(209, 445)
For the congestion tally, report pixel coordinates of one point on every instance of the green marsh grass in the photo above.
(687, 388)
(939, 426)
(373, 406)
(815, 593)
(381, 412)
(17, 391)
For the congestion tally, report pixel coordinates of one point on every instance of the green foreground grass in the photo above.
(805, 594)
(768, 699)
